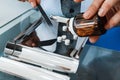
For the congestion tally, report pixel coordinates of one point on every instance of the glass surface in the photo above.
(9, 10)
(11, 29)
(98, 63)
(92, 27)
(5, 76)
(31, 13)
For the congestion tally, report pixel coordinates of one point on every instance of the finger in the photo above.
(33, 45)
(28, 43)
(93, 9)
(38, 1)
(22, 0)
(113, 21)
(93, 39)
(33, 3)
(78, 1)
(106, 6)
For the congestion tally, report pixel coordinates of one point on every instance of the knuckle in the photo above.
(107, 6)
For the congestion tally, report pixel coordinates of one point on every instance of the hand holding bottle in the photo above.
(108, 8)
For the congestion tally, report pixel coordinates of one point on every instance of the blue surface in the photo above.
(110, 40)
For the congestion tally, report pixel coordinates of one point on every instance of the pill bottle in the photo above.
(83, 27)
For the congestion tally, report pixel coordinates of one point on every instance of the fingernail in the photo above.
(32, 4)
(86, 15)
(111, 26)
(92, 40)
(101, 12)
(107, 26)
(78, 0)
(33, 44)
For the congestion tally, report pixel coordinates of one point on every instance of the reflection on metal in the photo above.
(27, 71)
(59, 19)
(42, 58)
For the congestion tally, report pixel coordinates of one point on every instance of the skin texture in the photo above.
(108, 8)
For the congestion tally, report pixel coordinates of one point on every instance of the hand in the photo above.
(78, 0)
(31, 40)
(108, 8)
(33, 2)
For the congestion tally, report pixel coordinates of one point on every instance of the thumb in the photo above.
(93, 39)
(78, 1)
